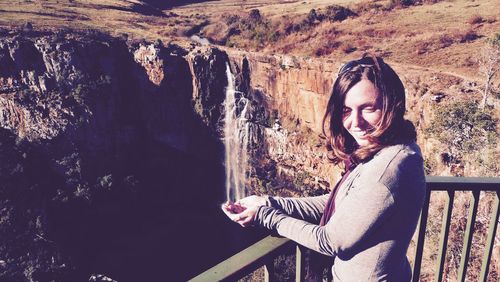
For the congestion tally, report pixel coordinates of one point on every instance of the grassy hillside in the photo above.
(429, 33)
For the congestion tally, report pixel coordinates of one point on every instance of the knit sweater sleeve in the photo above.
(309, 209)
(358, 216)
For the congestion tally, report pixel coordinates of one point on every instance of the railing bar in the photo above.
(245, 261)
(439, 183)
(269, 274)
(417, 262)
(299, 264)
(469, 231)
(443, 241)
(491, 238)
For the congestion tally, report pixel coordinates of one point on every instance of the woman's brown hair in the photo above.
(392, 127)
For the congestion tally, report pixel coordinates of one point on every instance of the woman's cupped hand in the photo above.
(243, 211)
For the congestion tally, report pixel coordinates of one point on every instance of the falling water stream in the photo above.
(236, 130)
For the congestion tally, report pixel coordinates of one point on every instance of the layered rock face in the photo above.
(295, 92)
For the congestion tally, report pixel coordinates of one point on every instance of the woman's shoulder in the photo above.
(399, 150)
(394, 163)
(394, 154)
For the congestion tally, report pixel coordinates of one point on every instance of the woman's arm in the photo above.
(359, 214)
(376, 197)
(309, 209)
(243, 211)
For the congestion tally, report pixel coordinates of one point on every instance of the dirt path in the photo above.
(432, 70)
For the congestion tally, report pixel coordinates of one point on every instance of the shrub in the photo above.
(403, 3)
(468, 36)
(231, 19)
(475, 19)
(464, 129)
(326, 49)
(338, 13)
(368, 6)
(347, 48)
(255, 15)
(445, 40)
(312, 17)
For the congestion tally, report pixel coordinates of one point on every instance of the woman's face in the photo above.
(362, 110)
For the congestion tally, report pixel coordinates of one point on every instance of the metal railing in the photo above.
(266, 250)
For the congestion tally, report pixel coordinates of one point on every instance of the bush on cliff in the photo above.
(468, 133)
(338, 13)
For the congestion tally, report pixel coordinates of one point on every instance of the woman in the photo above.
(367, 221)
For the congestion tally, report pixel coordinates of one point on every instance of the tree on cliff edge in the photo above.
(489, 64)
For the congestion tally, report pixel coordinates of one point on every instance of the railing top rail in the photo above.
(245, 261)
(444, 183)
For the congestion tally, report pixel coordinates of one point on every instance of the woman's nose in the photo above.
(356, 119)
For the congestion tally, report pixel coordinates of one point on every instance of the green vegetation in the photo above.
(256, 31)
(463, 127)
(468, 132)
(407, 3)
(84, 95)
(253, 27)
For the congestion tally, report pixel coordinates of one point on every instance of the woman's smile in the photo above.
(362, 111)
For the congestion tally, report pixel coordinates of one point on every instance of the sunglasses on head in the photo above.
(363, 62)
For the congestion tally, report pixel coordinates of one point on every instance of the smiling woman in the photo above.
(362, 111)
(366, 222)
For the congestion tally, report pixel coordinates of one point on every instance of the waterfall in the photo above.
(236, 129)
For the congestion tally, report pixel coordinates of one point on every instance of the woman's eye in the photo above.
(346, 111)
(369, 109)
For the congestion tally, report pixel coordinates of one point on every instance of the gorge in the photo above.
(112, 157)
(112, 153)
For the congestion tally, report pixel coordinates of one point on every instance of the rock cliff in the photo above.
(97, 138)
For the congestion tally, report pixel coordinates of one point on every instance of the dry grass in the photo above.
(428, 34)
(134, 18)
(434, 34)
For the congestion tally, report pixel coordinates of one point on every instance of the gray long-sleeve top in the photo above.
(377, 209)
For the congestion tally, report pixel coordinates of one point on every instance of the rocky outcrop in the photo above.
(209, 65)
(297, 88)
(295, 92)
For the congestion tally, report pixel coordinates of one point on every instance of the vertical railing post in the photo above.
(299, 264)
(469, 231)
(443, 241)
(490, 240)
(269, 273)
(422, 225)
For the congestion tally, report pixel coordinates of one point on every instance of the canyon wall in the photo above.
(108, 160)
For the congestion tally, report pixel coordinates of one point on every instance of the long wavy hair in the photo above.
(392, 127)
